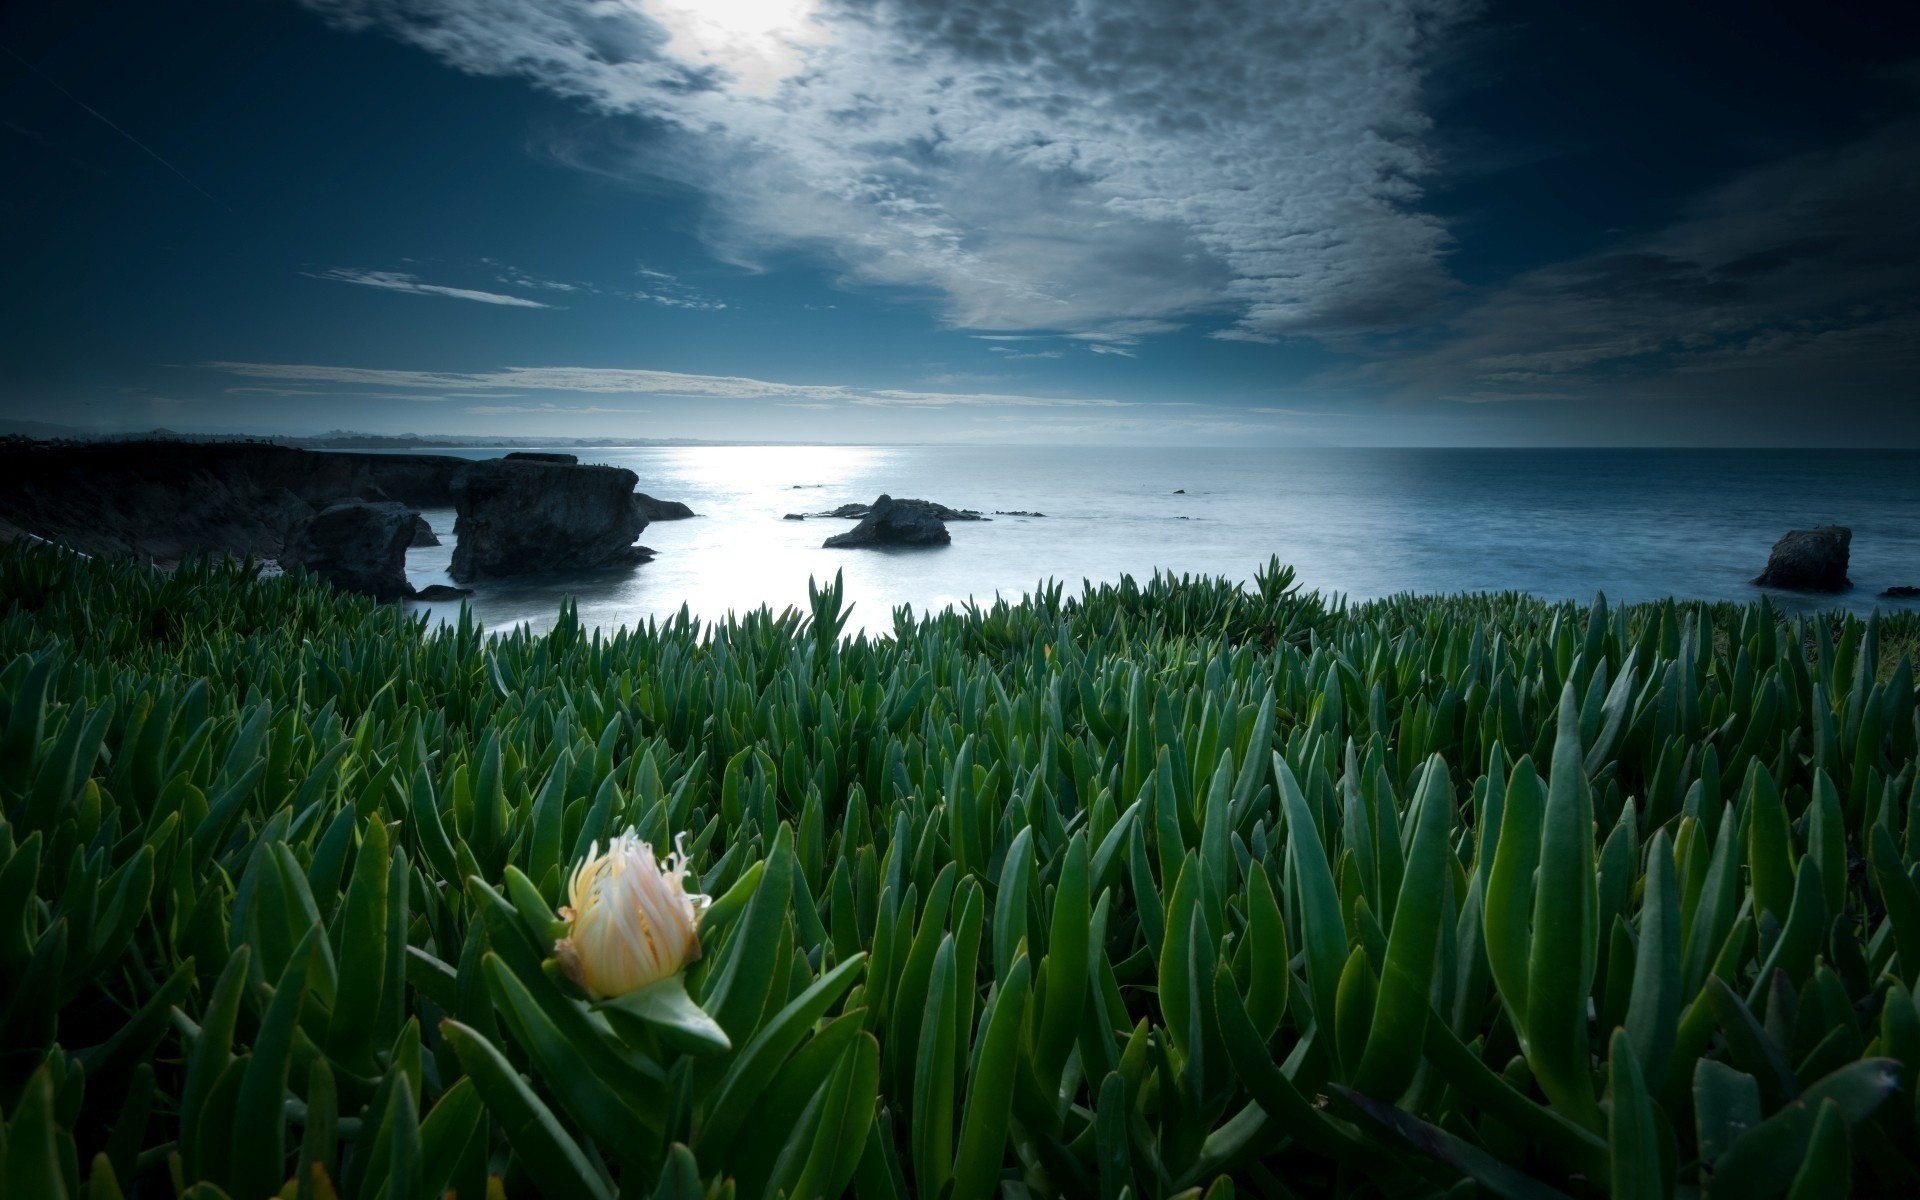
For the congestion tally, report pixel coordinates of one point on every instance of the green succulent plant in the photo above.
(1156, 890)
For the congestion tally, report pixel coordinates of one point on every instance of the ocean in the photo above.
(1560, 524)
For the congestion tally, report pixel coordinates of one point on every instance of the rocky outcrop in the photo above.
(890, 522)
(1902, 592)
(651, 509)
(1809, 560)
(856, 512)
(358, 546)
(161, 501)
(544, 456)
(526, 517)
(423, 534)
(1016, 512)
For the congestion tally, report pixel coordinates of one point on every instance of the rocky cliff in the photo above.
(161, 501)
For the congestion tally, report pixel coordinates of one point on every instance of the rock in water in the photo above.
(891, 522)
(1902, 592)
(525, 516)
(423, 534)
(441, 591)
(855, 512)
(651, 509)
(358, 546)
(1809, 560)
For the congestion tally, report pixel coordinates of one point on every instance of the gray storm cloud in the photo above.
(1101, 169)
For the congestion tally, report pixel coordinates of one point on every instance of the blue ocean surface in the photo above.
(1560, 524)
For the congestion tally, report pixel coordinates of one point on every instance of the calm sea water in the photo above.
(1633, 524)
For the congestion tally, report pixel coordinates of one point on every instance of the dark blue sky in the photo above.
(1402, 222)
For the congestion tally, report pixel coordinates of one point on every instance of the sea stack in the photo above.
(525, 516)
(1809, 560)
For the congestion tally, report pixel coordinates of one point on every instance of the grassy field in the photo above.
(1154, 890)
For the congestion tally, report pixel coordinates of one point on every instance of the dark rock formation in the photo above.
(660, 510)
(1016, 512)
(1902, 592)
(358, 546)
(891, 522)
(161, 501)
(1179, 491)
(423, 534)
(794, 517)
(1809, 560)
(523, 517)
(856, 512)
(543, 456)
(441, 591)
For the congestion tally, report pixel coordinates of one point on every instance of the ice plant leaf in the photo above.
(665, 1008)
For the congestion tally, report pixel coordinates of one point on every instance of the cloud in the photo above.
(515, 276)
(1031, 164)
(494, 410)
(900, 399)
(623, 381)
(695, 303)
(664, 289)
(1790, 281)
(1102, 348)
(395, 281)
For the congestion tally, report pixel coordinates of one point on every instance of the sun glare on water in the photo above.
(757, 42)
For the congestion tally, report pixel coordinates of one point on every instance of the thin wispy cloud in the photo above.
(396, 281)
(1046, 166)
(497, 410)
(622, 381)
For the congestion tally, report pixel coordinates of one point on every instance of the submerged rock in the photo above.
(441, 591)
(1809, 560)
(358, 546)
(1016, 512)
(794, 517)
(891, 522)
(423, 534)
(1902, 592)
(526, 516)
(651, 509)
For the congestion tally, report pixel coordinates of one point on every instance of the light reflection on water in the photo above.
(1561, 524)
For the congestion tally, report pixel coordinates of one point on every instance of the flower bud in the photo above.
(631, 920)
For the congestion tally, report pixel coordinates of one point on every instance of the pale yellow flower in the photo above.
(632, 920)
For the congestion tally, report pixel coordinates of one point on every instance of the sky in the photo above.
(1159, 222)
